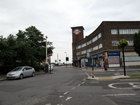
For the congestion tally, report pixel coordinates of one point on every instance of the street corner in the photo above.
(121, 77)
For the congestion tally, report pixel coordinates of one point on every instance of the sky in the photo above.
(54, 18)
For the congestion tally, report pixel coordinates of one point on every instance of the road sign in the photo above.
(104, 55)
(76, 31)
(50, 54)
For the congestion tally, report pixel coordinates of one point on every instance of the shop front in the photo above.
(114, 58)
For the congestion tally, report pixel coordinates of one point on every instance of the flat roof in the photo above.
(77, 27)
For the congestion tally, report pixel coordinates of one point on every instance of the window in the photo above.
(99, 35)
(114, 43)
(100, 45)
(94, 39)
(89, 42)
(128, 31)
(83, 52)
(114, 31)
(83, 45)
(78, 47)
(89, 50)
(130, 43)
(95, 48)
(78, 53)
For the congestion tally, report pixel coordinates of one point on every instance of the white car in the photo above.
(21, 72)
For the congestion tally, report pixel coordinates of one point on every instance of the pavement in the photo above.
(88, 71)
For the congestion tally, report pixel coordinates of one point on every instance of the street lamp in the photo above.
(66, 58)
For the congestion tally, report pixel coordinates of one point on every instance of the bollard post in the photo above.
(92, 68)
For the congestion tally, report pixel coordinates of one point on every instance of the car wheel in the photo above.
(33, 74)
(21, 76)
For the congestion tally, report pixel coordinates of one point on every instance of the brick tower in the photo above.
(77, 35)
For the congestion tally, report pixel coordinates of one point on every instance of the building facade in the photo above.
(103, 41)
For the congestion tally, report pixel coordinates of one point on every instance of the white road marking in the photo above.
(68, 98)
(87, 74)
(66, 92)
(73, 88)
(133, 84)
(61, 96)
(83, 82)
(119, 95)
(79, 84)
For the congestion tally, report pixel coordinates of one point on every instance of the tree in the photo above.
(32, 44)
(136, 40)
(26, 48)
(7, 51)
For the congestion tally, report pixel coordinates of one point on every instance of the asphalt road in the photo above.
(68, 86)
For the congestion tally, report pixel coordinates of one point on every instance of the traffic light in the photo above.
(67, 58)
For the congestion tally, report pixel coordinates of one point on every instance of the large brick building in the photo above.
(104, 40)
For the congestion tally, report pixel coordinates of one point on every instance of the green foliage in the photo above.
(136, 40)
(122, 43)
(26, 48)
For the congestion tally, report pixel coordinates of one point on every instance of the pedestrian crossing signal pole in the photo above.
(92, 68)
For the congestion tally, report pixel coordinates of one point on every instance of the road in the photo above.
(68, 86)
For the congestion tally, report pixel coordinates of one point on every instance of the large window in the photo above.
(128, 31)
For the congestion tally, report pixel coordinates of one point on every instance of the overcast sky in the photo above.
(55, 18)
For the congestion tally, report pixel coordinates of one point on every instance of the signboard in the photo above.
(76, 31)
(104, 55)
(114, 53)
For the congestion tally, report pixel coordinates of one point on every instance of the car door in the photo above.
(25, 72)
(28, 71)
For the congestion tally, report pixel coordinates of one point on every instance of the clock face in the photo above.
(76, 31)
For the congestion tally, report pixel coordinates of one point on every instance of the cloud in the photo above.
(55, 17)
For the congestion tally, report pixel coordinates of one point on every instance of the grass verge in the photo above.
(134, 75)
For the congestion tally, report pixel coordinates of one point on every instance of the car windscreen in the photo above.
(17, 69)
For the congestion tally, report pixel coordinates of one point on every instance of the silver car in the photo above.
(20, 72)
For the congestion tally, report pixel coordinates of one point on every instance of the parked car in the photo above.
(21, 72)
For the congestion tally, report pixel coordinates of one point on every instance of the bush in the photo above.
(38, 67)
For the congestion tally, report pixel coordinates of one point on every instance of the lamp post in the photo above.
(46, 63)
(66, 59)
(46, 50)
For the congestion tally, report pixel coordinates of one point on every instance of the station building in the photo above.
(103, 41)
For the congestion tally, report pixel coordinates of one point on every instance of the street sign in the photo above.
(50, 54)
(104, 55)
